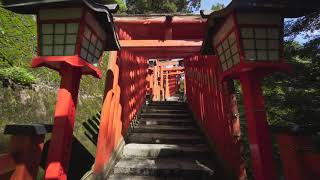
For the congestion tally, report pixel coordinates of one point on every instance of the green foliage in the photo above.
(217, 6)
(181, 88)
(18, 75)
(122, 5)
(17, 38)
(306, 24)
(162, 6)
(295, 98)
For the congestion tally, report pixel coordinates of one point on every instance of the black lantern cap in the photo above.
(103, 13)
(28, 129)
(287, 8)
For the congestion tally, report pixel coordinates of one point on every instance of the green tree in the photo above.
(217, 6)
(307, 24)
(162, 6)
(122, 5)
(295, 98)
(17, 38)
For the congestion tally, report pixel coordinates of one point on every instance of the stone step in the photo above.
(164, 115)
(165, 129)
(133, 177)
(167, 103)
(166, 121)
(130, 177)
(175, 111)
(182, 168)
(174, 107)
(157, 138)
(133, 150)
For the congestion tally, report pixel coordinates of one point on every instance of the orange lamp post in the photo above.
(72, 36)
(247, 37)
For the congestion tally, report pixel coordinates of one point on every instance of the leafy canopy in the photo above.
(295, 98)
(122, 5)
(217, 6)
(162, 6)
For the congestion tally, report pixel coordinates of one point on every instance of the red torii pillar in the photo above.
(161, 83)
(169, 81)
(155, 84)
(167, 85)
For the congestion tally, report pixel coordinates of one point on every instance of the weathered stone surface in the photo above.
(130, 177)
(158, 138)
(164, 115)
(166, 121)
(154, 110)
(164, 167)
(165, 129)
(164, 150)
(165, 145)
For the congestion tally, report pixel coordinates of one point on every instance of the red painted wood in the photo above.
(26, 151)
(125, 91)
(58, 62)
(291, 158)
(258, 131)
(298, 160)
(22, 161)
(7, 165)
(61, 140)
(213, 104)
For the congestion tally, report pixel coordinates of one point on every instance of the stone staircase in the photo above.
(166, 144)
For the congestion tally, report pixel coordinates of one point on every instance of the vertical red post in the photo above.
(167, 85)
(292, 160)
(102, 151)
(64, 118)
(161, 84)
(155, 85)
(185, 85)
(26, 151)
(258, 130)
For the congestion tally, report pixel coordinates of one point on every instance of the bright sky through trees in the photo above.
(207, 4)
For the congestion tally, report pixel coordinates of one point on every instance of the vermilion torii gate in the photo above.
(243, 41)
(141, 38)
(163, 82)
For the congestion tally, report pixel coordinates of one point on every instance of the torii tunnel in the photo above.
(242, 42)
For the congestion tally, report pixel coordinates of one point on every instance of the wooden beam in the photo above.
(164, 54)
(167, 63)
(175, 73)
(158, 20)
(159, 43)
(174, 69)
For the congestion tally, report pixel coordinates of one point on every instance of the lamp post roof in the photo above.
(287, 8)
(103, 13)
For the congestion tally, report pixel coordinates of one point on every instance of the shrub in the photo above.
(17, 75)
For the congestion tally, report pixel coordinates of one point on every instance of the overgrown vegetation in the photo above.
(295, 98)
(163, 6)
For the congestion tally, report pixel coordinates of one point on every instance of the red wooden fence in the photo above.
(124, 96)
(214, 106)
